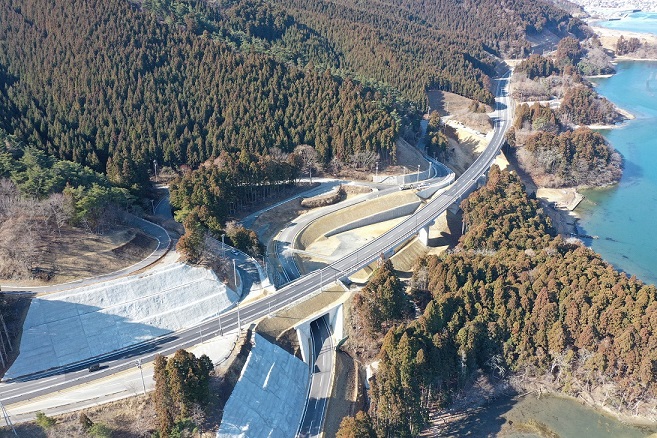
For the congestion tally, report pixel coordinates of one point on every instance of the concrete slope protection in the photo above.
(269, 396)
(67, 327)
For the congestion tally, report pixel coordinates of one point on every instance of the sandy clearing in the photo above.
(609, 37)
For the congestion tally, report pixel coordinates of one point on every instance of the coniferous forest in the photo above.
(512, 298)
(115, 85)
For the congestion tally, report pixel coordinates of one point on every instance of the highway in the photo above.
(59, 379)
(312, 423)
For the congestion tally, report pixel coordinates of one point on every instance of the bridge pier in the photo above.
(423, 235)
(303, 335)
(335, 319)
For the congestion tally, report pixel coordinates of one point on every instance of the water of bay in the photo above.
(643, 22)
(624, 217)
(533, 416)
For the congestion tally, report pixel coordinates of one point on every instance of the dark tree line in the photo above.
(182, 390)
(219, 189)
(536, 117)
(513, 298)
(382, 302)
(537, 66)
(581, 105)
(627, 45)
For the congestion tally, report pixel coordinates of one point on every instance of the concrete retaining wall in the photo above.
(67, 327)
(394, 213)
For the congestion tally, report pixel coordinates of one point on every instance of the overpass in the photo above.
(46, 382)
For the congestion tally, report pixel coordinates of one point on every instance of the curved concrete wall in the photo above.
(402, 210)
(432, 189)
(349, 214)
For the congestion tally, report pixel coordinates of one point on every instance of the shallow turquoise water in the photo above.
(644, 22)
(624, 217)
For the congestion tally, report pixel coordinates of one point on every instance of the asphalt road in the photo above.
(56, 380)
(323, 351)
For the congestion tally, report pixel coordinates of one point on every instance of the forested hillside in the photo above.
(105, 85)
(115, 85)
(40, 195)
(513, 298)
(412, 45)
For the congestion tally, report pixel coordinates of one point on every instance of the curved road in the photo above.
(47, 382)
(153, 230)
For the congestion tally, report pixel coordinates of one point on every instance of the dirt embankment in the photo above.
(75, 254)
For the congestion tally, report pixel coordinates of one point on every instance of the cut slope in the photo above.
(269, 398)
(67, 327)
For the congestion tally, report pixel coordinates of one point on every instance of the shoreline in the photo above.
(483, 394)
(585, 398)
(609, 37)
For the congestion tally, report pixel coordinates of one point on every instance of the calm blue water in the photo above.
(644, 22)
(625, 216)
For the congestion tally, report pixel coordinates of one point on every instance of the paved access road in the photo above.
(60, 379)
(312, 423)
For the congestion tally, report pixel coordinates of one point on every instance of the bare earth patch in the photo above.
(463, 151)
(77, 254)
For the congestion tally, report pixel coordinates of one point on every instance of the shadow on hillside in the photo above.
(59, 337)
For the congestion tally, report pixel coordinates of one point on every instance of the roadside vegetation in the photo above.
(182, 392)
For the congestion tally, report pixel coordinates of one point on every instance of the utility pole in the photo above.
(155, 167)
(418, 174)
(235, 276)
(376, 175)
(141, 371)
(223, 246)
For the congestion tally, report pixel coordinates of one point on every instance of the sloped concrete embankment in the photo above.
(269, 397)
(351, 214)
(67, 327)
